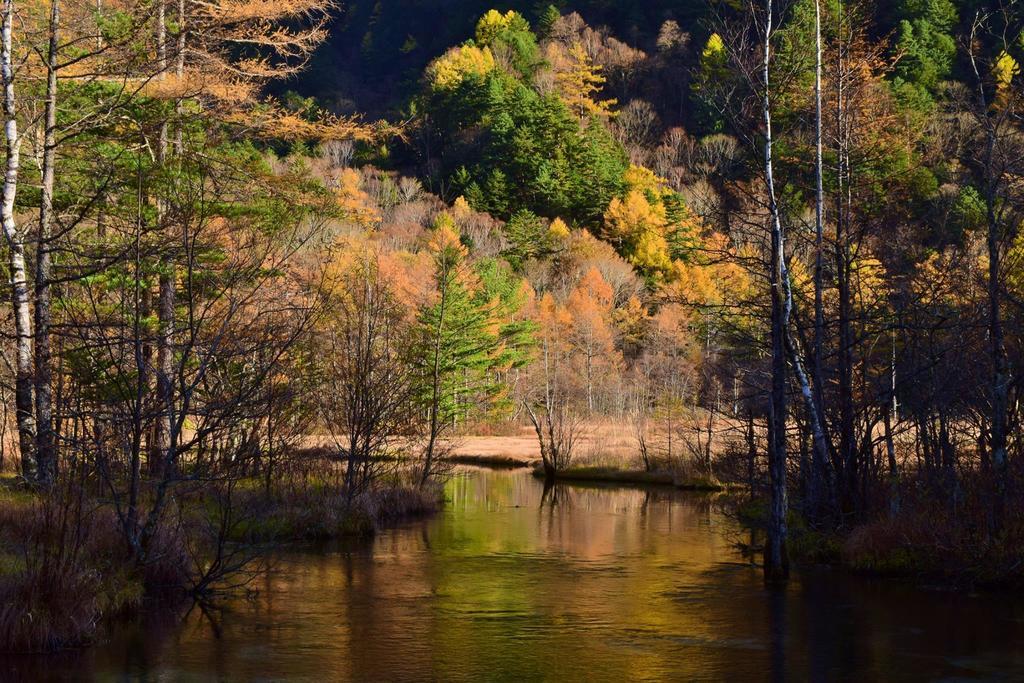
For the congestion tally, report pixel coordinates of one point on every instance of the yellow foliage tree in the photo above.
(453, 67)
(714, 50)
(713, 278)
(461, 209)
(445, 232)
(553, 322)
(579, 82)
(644, 180)
(637, 228)
(494, 23)
(1004, 70)
(631, 323)
(558, 231)
(591, 335)
(353, 201)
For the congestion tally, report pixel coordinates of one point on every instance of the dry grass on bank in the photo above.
(934, 538)
(602, 442)
(65, 567)
(314, 510)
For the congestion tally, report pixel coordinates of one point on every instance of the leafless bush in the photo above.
(366, 398)
(338, 153)
(558, 432)
(409, 189)
(636, 123)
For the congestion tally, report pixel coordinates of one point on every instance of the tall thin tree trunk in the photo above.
(776, 561)
(141, 309)
(590, 381)
(710, 444)
(894, 472)
(1000, 381)
(23, 399)
(165, 297)
(46, 448)
(164, 371)
(268, 474)
(751, 453)
(435, 385)
(847, 441)
(819, 443)
(819, 204)
(847, 444)
(179, 72)
(819, 490)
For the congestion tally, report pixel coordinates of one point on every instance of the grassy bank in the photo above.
(59, 581)
(924, 543)
(66, 568)
(917, 544)
(614, 475)
(315, 511)
(486, 460)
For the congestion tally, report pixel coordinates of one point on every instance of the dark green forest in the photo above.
(374, 58)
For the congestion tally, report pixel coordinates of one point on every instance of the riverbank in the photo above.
(600, 443)
(486, 460)
(511, 579)
(607, 455)
(66, 568)
(614, 475)
(606, 452)
(919, 544)
(317, 512)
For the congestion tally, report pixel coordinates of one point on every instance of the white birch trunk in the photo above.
(16, 247)
(776, 566)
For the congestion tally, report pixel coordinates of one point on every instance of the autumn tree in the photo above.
(459, 341)
(579, 81)
(550, 405)
(366, 384)
(533, 152)
(589, 307)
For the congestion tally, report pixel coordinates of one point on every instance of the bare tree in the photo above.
(558, 432)
(367, 396)
(557, 427)
(996, 163)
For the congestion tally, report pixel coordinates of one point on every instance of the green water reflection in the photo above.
(510, 583)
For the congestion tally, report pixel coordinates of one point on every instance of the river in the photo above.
(585, 583)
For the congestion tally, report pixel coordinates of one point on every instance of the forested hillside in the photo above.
(376, 52)
(270, 262)
(890, 218)
(833, 231)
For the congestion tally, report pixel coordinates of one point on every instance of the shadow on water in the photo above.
(518, 581)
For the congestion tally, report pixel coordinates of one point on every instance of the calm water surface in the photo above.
(585, 583)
